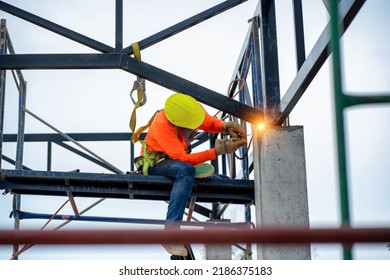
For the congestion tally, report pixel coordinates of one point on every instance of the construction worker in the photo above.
(171, 133)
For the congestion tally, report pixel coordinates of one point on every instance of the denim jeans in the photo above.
(183, 175)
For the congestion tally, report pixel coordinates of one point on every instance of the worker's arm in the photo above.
(162, 137)
(173, 147)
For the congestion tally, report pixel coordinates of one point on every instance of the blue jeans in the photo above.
(183, 175)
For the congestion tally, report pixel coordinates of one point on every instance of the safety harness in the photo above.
(150, 159)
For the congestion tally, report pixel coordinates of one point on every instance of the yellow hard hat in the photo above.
(184, 111)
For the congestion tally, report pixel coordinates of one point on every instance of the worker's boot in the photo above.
(176, 249)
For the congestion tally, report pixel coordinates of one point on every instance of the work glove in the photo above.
(228, 146)
(233, 129)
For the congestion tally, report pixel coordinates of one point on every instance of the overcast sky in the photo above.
(98, 101)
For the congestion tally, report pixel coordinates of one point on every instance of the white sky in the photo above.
(98, 101)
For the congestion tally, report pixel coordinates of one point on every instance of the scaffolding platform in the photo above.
(131, 186)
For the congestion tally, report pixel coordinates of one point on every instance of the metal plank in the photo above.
(116, 186)
(223, 195)
(114, 180)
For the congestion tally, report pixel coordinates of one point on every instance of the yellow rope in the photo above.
(141, 98)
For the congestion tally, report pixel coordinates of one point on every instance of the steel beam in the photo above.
(200, 93)
(244, 59)
(86, 156)
(51, 26)
(43, 137)
(122, 186)
(60, 61)
(151, 40)
(138, 68)
(348, 9)
(64, 217)
(181, 26)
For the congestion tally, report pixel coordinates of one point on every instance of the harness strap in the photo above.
(137, 133)
(139, 85)
(150, 159)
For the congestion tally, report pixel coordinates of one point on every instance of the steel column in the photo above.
(299, 33)
(49, 153)
(257, 91)
(348, 9)
(118, 26)
(19, 152)
(16, 205)
(269, 54)
(3, 51)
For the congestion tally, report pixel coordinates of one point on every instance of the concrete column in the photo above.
(281, 188)
(218, 252)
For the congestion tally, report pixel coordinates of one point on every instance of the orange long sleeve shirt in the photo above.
(162, 137)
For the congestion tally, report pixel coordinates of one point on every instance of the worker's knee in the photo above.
(187, 170)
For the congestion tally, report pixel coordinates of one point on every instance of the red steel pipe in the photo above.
(275, 235)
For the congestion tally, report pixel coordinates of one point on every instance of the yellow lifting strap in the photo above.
(139, 85)
(150, 158)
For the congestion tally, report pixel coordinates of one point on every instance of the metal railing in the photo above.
(342, 101)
